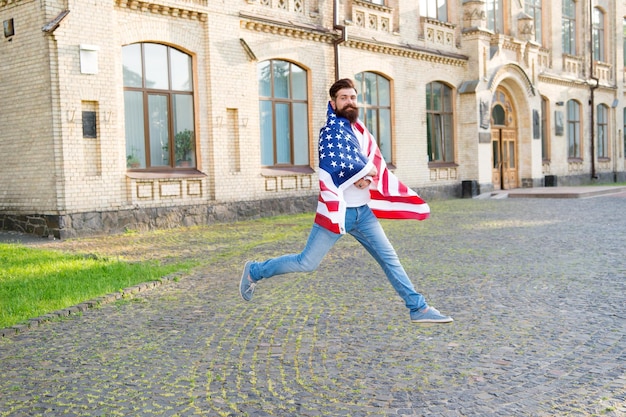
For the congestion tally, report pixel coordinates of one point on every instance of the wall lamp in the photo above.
(559, 103)
(9, 28)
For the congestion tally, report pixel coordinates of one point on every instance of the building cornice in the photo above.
(558, 80)
(290, 29)
(162, 9)
(320, 34)
(568, 82)
(409, 51)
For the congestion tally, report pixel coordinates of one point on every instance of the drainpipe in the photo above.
(592, 87)
(342, 39)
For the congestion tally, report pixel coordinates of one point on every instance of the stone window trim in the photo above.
(137, 175)
(373, 6)
(439, 164)
(287, 171)
(436, 22)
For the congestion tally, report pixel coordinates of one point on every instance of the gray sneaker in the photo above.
(246, 285)
(431, 315)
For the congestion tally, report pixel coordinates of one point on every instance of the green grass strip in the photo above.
(34, 282)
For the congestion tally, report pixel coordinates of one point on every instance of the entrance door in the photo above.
(503, 142)
(504, 169)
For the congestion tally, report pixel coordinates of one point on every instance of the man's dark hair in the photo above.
(339, 85)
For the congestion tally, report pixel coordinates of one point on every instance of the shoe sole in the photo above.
(244, 276)
(431, 321)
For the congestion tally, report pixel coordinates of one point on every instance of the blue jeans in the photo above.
(365, 227)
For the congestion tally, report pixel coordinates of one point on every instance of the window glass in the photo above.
(181, 70)
(498, 115)
(495, 18)
(301, 133)
(184, 135)
(131, 56)
(134, 128)
(384, 119)
(434, 9)
(298, 77)
(568, 23)
(267, 133)
(598, 35)
(155, 57)
(281, 79)
(159, 130)
(265, 82)
(283, 131)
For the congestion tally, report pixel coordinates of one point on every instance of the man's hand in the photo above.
(363, 183)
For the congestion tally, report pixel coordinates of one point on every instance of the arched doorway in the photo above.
(503, 141)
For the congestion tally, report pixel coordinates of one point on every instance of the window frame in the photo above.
(425, 7)
(599, 34)
(574, 129)
(288, 102)
(497, 23)
(379, 126)
(545, 130)
(602, 131)
(181, 143)
(534, 8)
(440, 138)
(569, 29)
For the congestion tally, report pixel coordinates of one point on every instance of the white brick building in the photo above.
(132, 114)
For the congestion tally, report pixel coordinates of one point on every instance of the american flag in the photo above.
(342, 163)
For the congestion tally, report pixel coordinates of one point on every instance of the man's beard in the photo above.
(348, 112)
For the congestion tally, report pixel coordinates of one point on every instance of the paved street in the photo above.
(537, 288)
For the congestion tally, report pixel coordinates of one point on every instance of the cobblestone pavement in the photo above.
(536, 288)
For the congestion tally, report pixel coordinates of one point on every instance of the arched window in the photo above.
(568, 23)
(439, 122)
(374, 98)
(602, 140)
(284, 114)
(573, 129)
(598, 35)
(158, 107)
